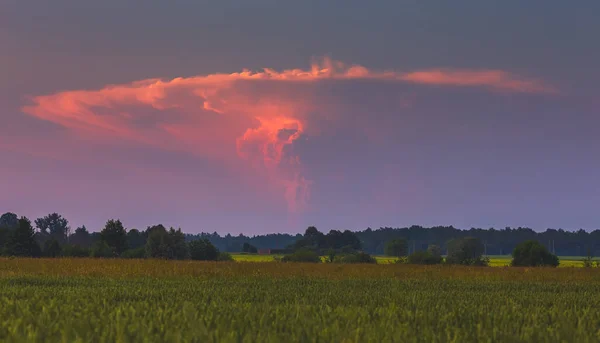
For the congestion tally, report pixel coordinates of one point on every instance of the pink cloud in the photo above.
(495, 79)
(247, 116)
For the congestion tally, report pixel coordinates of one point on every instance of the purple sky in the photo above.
(468, 113)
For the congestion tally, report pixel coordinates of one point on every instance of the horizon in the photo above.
(226, 118)
(301, 232)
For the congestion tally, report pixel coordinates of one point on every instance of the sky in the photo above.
(269, 116)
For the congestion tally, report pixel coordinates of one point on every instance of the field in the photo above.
(95, 300)
(495, 260)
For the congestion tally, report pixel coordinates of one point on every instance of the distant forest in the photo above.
(496, 242)
(418, 238)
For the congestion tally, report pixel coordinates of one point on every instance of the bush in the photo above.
(533, 254)
(466, 251)
(75, 251)
(139, 252)
(101, 249)
(225, 257)
(396, 247)
(203, 250)
(430, 256)
(302, 255)
(52, 248)
(360, 257)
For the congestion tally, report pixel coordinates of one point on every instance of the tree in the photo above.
(466, 251)
(249, 248)
(315, 240)
(115, 236)
(533, 254)
(135, 239)
(312, 239)
(21, 241)
(81, 237)
(166, 244)
(435, 252)
(396, 247)
(9, 221)
(179, 249)
(349, 239)
(157, 245)
(203, 250)
(54, 225)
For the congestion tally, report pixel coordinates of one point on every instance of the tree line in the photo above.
(52, 237)
(495, 241)
(346, 247)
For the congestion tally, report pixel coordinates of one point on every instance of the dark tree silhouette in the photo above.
(135, 239)
(55, 226)
(249, 248)
(9, 221)
(115, 236)
(167, 244)
(81, 237)
(21, 241)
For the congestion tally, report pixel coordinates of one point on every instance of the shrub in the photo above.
(430, 256)
(139, 252)
(225, 257)
(360, 257)
(75, 251)
(302, 255)
(52, 248)
(101, 249)
(533, 254)
(466, 251)
(396, 247)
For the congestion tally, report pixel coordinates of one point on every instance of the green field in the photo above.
(100, 300)
(495, 260)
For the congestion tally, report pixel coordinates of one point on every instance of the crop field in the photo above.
(495, 260)
(271, 258)
(110, 300)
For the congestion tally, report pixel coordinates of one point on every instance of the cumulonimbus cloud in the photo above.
(246, 115)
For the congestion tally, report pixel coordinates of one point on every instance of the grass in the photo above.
(96, 300)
